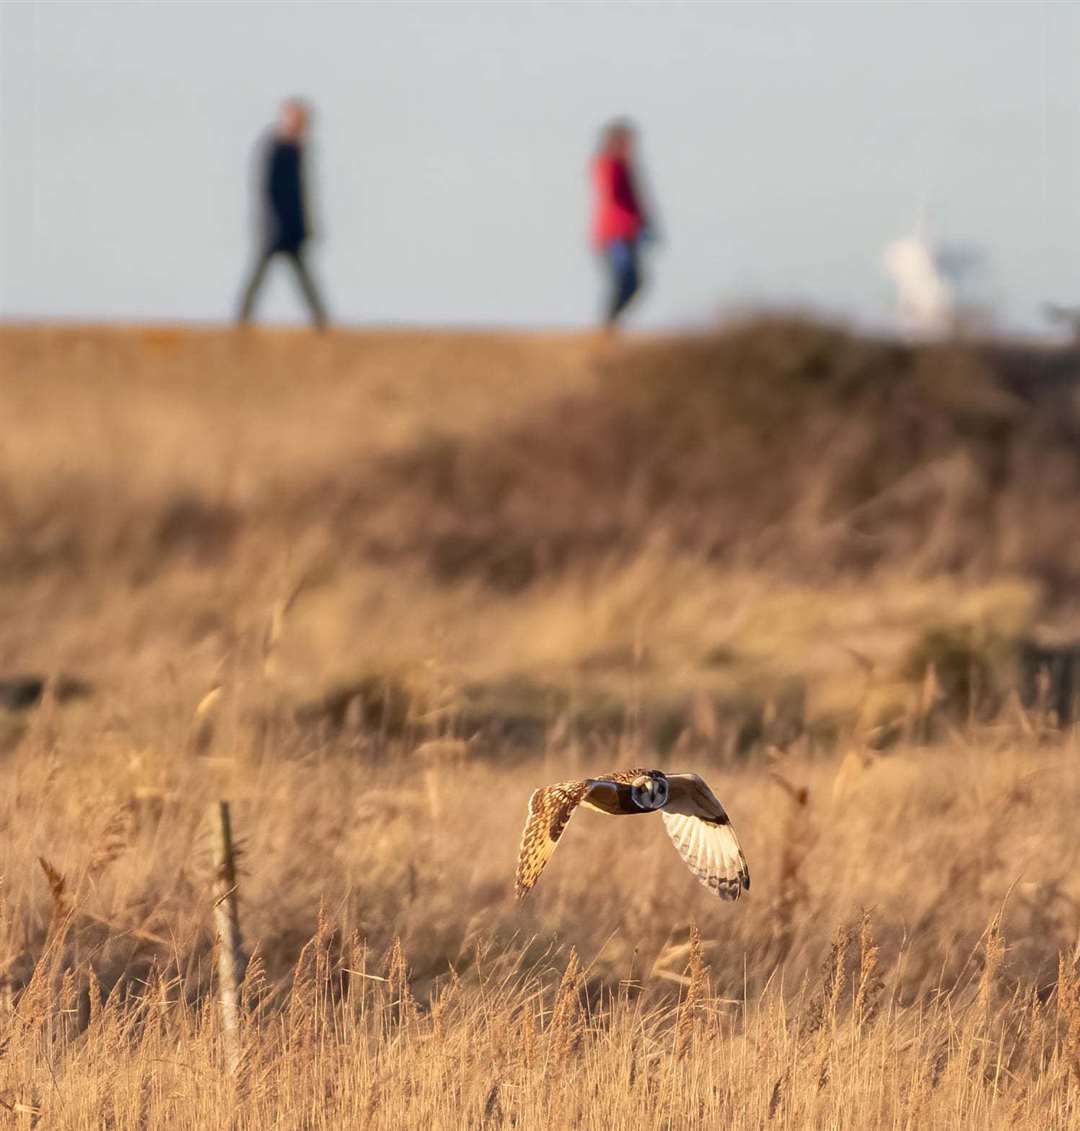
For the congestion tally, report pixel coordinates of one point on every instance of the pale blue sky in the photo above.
(786, 144)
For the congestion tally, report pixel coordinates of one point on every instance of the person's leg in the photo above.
(307, 285)
(247, 303)
(625, 279)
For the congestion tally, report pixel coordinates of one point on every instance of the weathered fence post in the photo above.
(227, 923)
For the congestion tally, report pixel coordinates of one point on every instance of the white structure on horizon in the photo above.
(926, 300)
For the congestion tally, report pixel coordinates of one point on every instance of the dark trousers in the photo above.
(622, 263)
(310, 292)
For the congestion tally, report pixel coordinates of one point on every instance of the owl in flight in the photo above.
(695, 821)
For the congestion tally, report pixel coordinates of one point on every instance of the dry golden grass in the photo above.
(906, 957)
(395, 982)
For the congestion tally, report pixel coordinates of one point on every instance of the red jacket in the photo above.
(617, 213)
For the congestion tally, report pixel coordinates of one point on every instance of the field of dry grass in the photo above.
(376, 588)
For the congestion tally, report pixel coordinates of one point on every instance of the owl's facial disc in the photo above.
(649, 792)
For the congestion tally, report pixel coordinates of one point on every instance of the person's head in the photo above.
(293, 119)
(617, 140)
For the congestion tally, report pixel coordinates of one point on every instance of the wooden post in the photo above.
(227, 922)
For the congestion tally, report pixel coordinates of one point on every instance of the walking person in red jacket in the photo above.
(619, 220)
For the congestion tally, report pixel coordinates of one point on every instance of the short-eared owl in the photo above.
(695, 821)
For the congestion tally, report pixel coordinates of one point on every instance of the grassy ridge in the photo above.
(523, 529)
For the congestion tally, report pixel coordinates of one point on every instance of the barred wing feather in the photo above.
(710, 849)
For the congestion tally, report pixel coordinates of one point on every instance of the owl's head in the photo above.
(650, 791)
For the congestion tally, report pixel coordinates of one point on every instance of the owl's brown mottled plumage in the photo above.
(625, 777)
(549, 810)
(695, 820)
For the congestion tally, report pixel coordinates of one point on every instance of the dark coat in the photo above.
(282, 188)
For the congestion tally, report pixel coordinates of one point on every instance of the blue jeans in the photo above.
(622, 261)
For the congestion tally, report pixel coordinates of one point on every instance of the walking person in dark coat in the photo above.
(283, 218)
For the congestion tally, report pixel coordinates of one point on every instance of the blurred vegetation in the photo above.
(788, 445)
(376, 588)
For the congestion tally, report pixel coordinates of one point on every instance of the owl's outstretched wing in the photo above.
(549, 810)
(711, 851)
(701, 831)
